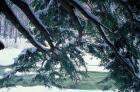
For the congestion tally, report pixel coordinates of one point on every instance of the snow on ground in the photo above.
(44, 89)
(93, 63)
(12, 50)
(7, 57)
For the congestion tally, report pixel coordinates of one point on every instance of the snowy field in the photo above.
(44, 89)
(7, 57)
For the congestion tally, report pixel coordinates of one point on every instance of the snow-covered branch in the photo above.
(101, 29)
(50, 3)
(46, 9)
(70, 10)
(77, 4)
(11, 16)
(26, 9)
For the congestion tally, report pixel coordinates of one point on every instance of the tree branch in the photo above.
(86, 13)
(26, 9)
(91, 17)
(11, 16)
(70, 10)
(1, 45)
(46, 9)
(50, 3)
(130, 67)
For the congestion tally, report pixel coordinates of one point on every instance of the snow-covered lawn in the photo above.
(7, 56)
(44, 89)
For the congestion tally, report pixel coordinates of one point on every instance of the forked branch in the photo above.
(4, 8)
(26, 9)
(101, 28)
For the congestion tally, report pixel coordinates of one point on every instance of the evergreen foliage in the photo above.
(108, 29)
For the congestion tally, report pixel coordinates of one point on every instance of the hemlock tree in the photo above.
(65, 29)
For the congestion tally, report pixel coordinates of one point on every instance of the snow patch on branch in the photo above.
(45, 11)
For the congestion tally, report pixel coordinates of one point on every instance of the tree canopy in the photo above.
(65, 29)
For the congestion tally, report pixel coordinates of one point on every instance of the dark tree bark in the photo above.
(4, 8)
(70, 9)
(26, 9)
(1, 45)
